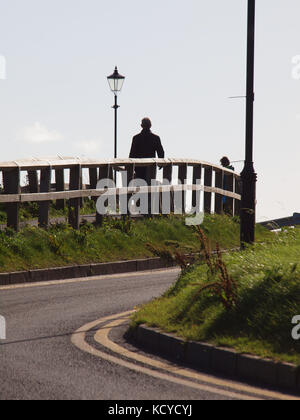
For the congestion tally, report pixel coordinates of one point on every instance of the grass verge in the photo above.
(34, 248)
(259, 318)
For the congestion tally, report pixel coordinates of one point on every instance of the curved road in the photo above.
(39, 361)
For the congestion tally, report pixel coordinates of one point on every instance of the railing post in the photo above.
(105, 172)
(74, 203)
(44, 206)
(197, 173)
(93, 173)
(182, 176)
(111, 174)
(33, 182)
(237, 190)
(127, 177)
(167, 175)
(228, 205)
(115, 171)
(155, 196)
(151, 175)
(60, 186)
(11, 181)
(81, 201)
(94, 176)
(207, 183)
(218, 197)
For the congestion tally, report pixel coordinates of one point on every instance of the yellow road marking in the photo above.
(102, 338)
(78, 339)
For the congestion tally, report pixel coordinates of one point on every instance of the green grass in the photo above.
(268, 297)
(116, 240)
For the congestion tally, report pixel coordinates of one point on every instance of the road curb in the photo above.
(217, 359)
(81, 271)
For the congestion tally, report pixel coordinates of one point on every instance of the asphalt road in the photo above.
(38, 360)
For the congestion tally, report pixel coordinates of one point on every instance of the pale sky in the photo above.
(182, 60)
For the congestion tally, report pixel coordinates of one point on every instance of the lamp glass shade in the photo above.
(116, 81)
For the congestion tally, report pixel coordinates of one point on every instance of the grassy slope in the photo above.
(61, 245)
(268, 298)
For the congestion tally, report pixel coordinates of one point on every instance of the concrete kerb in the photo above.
(4, 279)
(216, 359)
(19, 277)
(81, 271)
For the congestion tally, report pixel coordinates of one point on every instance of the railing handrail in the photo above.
(66, 195)
(208, 181)
(85, 163)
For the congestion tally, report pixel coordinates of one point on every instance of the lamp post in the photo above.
(248, 175)
(116, 82)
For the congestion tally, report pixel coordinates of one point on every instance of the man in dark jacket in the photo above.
(146, 145)
(225, 162)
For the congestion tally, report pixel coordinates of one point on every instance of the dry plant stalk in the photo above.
(226, 287)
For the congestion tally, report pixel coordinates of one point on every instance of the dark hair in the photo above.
(225, 161)
(146, 123)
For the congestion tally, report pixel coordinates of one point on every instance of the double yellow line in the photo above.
(163, 370)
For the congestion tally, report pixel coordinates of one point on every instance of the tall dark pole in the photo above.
(116, 106)
(248, 174)
(116, 81)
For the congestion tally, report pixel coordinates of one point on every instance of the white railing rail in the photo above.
(211, 187)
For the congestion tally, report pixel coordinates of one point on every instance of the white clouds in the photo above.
(88, 147)
(39, 134)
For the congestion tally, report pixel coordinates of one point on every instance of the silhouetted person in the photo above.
(225, 162)
(145, 146)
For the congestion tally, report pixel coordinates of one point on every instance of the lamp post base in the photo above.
(248, 204)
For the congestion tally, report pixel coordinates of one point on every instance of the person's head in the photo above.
(146, 123)
(225, 161)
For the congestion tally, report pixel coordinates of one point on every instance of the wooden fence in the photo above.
(60, 179)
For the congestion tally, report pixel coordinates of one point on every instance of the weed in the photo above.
(243, 300)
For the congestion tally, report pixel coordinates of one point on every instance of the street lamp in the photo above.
(248, 174)
(116, 82)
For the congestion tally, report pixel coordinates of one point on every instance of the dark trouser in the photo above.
(141, 173)
(146, 173)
